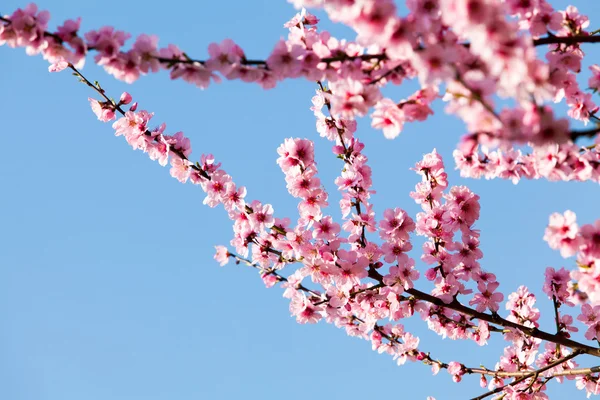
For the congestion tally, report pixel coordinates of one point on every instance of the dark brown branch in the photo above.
(535, 373)
(587, 133)
(566, 40)
(270, 271)
(327, 60)
(497, 320)
(118, 108)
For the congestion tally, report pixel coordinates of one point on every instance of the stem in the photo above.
(556, 305)
(529, 375)
(569, 40)
(269, 271)
(363, 239)
(428, 360)
(339, 130)
(587, 133)
(497, 320)
(120, 111)
(398, 69)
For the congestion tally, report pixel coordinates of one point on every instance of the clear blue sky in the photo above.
(108, 289)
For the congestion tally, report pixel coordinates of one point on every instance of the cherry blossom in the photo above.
(479, 57)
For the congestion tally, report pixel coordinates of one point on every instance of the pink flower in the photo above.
(159, 150)
(590, 239)
(302, 18)
(222, 255)
(482, 333)
(26, 29)
(464, 205)
(590, 316)
(556, 284)
(446, 288)
(545, 19)
(434, 63)
(132, 123)
(216, 188)
(456, 369)
(581, 106)
(521, 305)
(400, 37)
(180, 169)
(562, 233)
(68, 30)
(388, 117)
(566, 324)
(574, 20)
(565, 60)
(415, 111)
(125, 98)
(107, 43)
(304, 311)
(350, 98)
(262, 216)
(352, 267)
(487, 298)
(103, 110)
(347, 180)
(124, 66)
(402, 274)
(195, 73)
(286, 60)
(326, 229)
(393, 251)
(410, 344)
(396, 225)
(180, 143)
(224, 57)
(373, 18)
(295, 153)
(269, 280)
(594, 81)
(431, 167)
(233, 198)
(58, 66)
(146, 48)
(587, 382)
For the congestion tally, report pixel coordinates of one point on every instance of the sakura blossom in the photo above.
(501, 67)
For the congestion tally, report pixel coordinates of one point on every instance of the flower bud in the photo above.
(125, 98)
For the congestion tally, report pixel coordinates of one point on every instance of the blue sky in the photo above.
(108, 289)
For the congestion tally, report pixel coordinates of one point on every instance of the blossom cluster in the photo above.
(555, 162)
(471, 46)
(341, 267)
(365, 287)
(479, 53)
(565, 235)
(251, 221)
(466, 52)
(306, 52)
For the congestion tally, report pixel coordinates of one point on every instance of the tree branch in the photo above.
(587, 133)
(496, 319)
(570, 40)
(529, 375)
(117, 108)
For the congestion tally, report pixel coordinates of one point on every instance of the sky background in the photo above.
(108, 287)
